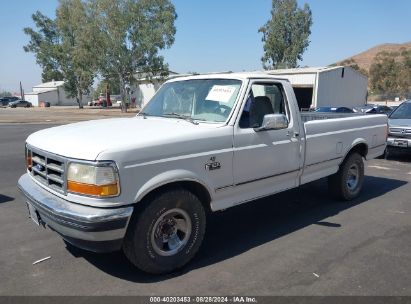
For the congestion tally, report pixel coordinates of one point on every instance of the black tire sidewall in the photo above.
(145, 257)
(352, 159)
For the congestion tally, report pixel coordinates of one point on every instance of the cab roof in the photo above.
(228, 75)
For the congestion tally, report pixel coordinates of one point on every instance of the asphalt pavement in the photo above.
(299, 242)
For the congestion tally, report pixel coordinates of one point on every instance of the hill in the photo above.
(365, 59)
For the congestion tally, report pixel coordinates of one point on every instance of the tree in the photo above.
(75, 22)
(405, 73)
(64, 46)
(5, 93)
(286, 34)
(384, 73)
(132, 33)
(44, 44)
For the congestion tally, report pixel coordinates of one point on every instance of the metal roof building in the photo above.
(326, 86)
(52, 92)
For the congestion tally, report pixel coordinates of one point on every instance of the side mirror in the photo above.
(273, 122)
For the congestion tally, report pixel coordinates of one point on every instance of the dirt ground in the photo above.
(60, 115)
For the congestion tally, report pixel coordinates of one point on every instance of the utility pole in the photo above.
(21, 92)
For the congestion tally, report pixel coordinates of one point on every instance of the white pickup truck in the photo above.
(203, 143)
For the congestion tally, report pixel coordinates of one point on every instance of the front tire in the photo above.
(167, 233)
(347, 183)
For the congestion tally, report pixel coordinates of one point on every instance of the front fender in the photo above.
(169, 177)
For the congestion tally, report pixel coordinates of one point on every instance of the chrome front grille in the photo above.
(400, 132)
(48, 169)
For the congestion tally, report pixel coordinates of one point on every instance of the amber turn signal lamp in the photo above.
(94, 190)
(29, 162)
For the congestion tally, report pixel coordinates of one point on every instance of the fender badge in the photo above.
(212, 164)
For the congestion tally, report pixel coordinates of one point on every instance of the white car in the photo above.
(202, 144)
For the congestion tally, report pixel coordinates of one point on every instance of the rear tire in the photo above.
(167, 233)
(347, 183)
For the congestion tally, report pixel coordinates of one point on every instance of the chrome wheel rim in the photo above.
(171, 232)
(353, 177)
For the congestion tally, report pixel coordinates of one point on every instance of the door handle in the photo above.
(295, 134)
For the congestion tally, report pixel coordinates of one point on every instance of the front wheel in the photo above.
(347, 183)
(167, 233)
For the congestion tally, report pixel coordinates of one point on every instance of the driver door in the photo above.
(269, 154)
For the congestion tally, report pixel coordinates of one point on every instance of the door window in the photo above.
(262, 99)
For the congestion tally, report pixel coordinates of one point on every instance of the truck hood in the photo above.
(399, 123)
(86, 140)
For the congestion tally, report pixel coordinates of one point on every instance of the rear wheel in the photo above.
(347, 183)
(167, 233)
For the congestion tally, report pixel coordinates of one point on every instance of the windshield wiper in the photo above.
(144, 114)
(181, 116)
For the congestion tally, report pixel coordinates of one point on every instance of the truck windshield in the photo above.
(402, 112)
(209, 100)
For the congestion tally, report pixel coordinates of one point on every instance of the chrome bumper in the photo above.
(399, 142)
(90, 228)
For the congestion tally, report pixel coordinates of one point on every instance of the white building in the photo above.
(326, 86)
(52, 92)
(146, 88)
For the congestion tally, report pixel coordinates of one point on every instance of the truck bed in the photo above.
(309, 116)
(329, 137)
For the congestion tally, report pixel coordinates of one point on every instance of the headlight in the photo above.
(96, 180)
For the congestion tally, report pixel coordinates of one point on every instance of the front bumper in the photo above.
(90, 228)
(399, 142)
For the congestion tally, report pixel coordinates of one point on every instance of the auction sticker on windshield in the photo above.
(221, 93)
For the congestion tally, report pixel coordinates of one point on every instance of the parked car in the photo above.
(4, 101)
(210, 142)
(334, 110)
(363, 109)
(399, 121)
(374, 109)
(92, 102)
(20, 104)
(98, 102)
(380, 109)
(101, 102)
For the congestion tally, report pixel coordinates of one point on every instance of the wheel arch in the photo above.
(359, 146)
(176, 179)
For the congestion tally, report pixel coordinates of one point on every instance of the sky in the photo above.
(222, 35)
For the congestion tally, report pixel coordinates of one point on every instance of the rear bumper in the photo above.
(90, 228)
(399, 142)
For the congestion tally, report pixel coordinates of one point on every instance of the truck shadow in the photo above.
(239, 229)
(5, 198)
(401, 156)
